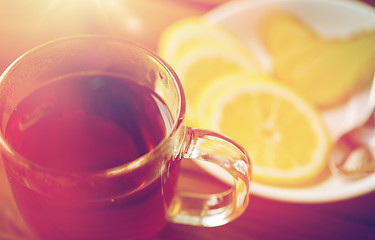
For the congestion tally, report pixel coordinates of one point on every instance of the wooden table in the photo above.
(264, 219)
(267, 219)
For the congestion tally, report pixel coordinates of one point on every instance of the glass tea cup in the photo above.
(92, 136)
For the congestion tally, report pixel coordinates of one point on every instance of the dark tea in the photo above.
(84, 123)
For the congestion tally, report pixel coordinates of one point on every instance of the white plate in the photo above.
(330, 18)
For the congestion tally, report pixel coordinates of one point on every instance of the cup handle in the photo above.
(212, 210)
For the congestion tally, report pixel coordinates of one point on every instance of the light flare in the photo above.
(121, 11)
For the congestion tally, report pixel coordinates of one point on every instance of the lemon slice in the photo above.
(178, 36)
(201, 64)
(284, 135)
(200, 51)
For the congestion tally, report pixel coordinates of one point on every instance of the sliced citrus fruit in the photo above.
(199, 51)
(201, 64)
(284, 135)
(182, 33)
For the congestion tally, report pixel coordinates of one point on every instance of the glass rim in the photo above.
(114, 171)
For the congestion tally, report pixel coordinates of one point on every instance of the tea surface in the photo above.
(81, 123)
